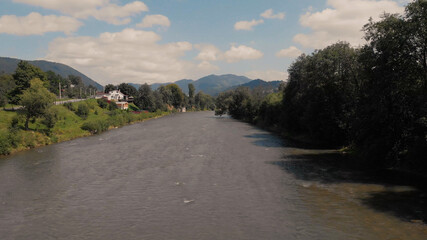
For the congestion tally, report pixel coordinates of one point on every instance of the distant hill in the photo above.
(267, 86)
(8, 65)
(212, 84)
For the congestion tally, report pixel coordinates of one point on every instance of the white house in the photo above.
(114, 95)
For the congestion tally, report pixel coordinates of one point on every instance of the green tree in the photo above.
(35, 100)
(7, 84)
(145, 98)
(391, 122)
(127, 89)
(109, 87)
(191, 91)
(24, 73)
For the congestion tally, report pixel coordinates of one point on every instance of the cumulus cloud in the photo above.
(208, 52)
(342, 21)
(270, 15)
(151, 20)
(269, 75)
(290, 52)
(247, 25)
(102, 10)
(36, 24)
(206, 66)
(242, 52)
(127, 56)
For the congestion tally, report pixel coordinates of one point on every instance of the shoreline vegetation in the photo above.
(30, 118)
(68, 125)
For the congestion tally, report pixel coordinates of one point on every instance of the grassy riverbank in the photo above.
(66, 122)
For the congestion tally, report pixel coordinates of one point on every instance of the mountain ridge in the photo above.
(8, 65)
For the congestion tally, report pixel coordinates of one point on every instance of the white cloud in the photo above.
(242, 52)
(290, 52)
(102, 10)
(208, 52)
(269, 75)
(151, 20)
(206, 66)
(270, 15)
(342, 21)
(127, 56)
(36, 24)
(247, 25)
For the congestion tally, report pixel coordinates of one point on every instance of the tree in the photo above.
(35, 100)
(191, 91)
(7, 84)
(24, 73)
(145, 98)
(320, 96)
(128, 89)
(109, 87)
(391, 124)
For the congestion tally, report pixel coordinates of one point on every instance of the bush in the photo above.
(83, 110)
(112, 106)
(50, 118)
(96, 126)
(69, 106)
(102, 103)
(5, 146)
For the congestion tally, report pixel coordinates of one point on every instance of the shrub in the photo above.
(83, 110)
(50, 118)
(5, 146)
(96, 126)
(112, 106)
(69, 106)
(102, 103)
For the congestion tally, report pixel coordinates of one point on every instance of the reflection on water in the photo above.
(381, 204)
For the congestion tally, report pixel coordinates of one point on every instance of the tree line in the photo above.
(372, 99)
(166, 97)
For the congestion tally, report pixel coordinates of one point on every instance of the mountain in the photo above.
(267, 86)
(212, 84)
(8, 65)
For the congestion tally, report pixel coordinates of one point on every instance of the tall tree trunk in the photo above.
(27, 120)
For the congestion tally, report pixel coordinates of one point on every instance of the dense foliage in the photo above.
(373, 99)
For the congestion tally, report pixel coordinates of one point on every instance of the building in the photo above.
(122, 105)
(114, 95)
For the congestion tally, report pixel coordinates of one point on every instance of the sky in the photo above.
(156, 41)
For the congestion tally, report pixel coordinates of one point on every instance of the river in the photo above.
(197, 176)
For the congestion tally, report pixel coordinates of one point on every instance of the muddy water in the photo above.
(195, 176)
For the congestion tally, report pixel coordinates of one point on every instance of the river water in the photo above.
(196, 176)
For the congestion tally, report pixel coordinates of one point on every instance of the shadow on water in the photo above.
(400, 194)
(265, 140)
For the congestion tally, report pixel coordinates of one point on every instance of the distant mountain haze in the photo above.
(8, 65)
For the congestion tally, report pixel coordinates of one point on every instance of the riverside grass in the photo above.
(68, 125)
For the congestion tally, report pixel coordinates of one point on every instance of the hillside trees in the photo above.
(23, 75)
(7, 84)
(35, 100)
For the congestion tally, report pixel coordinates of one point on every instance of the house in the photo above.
(122, 105)
(114, 95)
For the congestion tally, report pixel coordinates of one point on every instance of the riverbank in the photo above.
(64, 123)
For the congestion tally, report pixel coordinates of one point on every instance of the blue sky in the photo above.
(114, 41)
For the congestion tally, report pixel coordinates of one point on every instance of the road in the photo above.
(185, 176)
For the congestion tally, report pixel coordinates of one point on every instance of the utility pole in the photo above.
(80, 92)
(59, 90)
